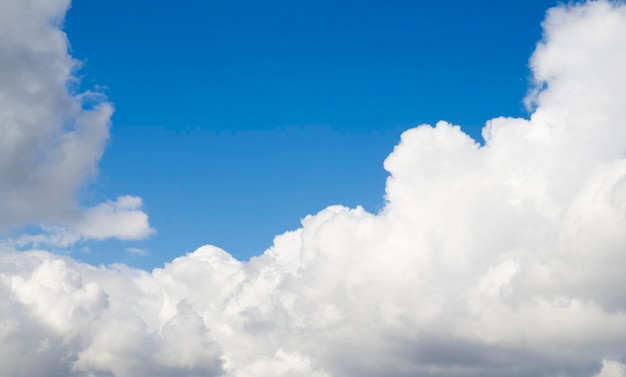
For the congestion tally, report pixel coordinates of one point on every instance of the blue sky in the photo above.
(235, 119)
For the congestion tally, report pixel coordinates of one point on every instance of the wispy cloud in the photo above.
(137, 251)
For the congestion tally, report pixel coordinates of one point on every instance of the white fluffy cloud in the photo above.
(51, 135)
(497, 260)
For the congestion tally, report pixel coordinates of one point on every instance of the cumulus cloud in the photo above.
(611, 369)
(122, 219)
(51, 135)
(504, 259)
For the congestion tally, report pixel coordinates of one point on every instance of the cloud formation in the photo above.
(498, 260)
(51, 135)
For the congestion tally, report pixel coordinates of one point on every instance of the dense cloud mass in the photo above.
(51, 135)
(504, 259)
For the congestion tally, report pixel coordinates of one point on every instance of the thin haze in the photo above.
(502, 259)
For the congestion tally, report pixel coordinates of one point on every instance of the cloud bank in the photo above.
(498, 260)
(51, 135)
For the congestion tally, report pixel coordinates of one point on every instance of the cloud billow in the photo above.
(51, 135)
(504, 259)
